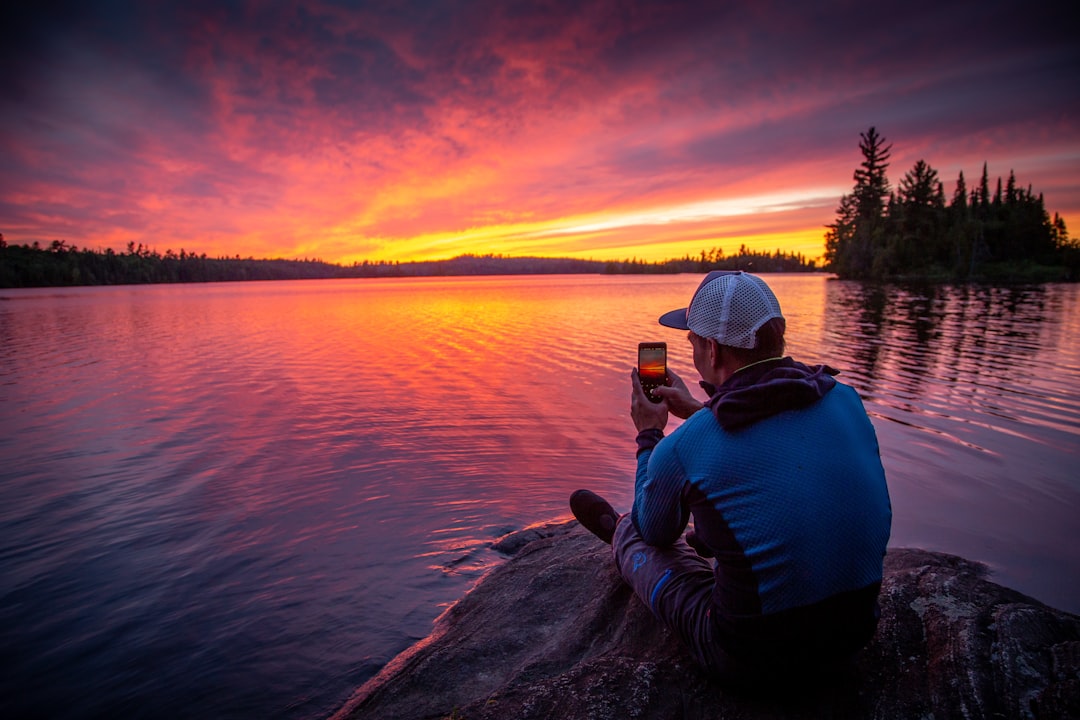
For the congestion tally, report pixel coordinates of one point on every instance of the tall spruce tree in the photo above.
(915, 242)
(869, 193)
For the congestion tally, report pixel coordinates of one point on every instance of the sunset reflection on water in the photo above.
(289, 481)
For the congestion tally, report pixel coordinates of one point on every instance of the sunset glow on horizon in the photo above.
(352, 131)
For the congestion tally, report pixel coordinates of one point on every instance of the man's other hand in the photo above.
(677, 397)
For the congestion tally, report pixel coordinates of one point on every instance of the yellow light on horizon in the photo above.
(705, 210)
(659, 233)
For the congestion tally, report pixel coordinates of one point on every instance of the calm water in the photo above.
(240, 500)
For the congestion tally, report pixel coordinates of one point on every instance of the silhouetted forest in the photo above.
(61, 264)
(915, 232)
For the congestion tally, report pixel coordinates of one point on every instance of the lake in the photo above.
(243, 499)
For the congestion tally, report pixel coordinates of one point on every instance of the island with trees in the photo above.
(914, 232)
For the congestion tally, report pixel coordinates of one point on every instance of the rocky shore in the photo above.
(554, 633)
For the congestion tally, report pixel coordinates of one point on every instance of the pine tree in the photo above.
(959, 200)
(859, 231)
(838, 236)
(916, 243)
(983, 200)
(960, 234)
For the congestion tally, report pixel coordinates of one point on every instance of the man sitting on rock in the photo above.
(781, 472)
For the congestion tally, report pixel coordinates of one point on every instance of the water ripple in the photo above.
(256, 494)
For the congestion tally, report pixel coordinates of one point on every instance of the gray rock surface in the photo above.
(554, 633)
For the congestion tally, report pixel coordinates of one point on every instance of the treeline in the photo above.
(469, 264)
(746, 259)
(916, 232)
(494, 264)
(61, 264)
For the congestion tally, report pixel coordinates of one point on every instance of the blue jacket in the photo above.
(783, 478)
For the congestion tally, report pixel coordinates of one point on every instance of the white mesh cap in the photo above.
(729, 306)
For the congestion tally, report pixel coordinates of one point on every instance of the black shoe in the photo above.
(594, 513)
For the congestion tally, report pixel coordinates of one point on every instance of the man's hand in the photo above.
(645, 413)
(677, 397)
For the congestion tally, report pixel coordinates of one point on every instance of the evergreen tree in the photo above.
(916, 243)
(853, 252)
(980, 200)
(839, 235)
(871, 189)
(960, 232)
(959, 199)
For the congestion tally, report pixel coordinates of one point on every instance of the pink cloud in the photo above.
(342, 133)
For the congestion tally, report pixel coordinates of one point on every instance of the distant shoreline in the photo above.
(63, 266)
(23, 266)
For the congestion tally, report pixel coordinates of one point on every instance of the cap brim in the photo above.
(675, 319)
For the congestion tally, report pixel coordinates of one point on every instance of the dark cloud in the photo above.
(724, 54)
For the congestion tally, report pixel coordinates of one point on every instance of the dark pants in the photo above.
(677, 585)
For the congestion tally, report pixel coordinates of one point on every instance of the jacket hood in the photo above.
(768, 388)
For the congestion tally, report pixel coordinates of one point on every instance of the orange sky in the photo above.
(356, 131)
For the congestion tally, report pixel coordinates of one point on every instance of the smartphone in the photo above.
(652, 367)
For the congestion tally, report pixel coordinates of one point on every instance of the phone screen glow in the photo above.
(652, 362)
